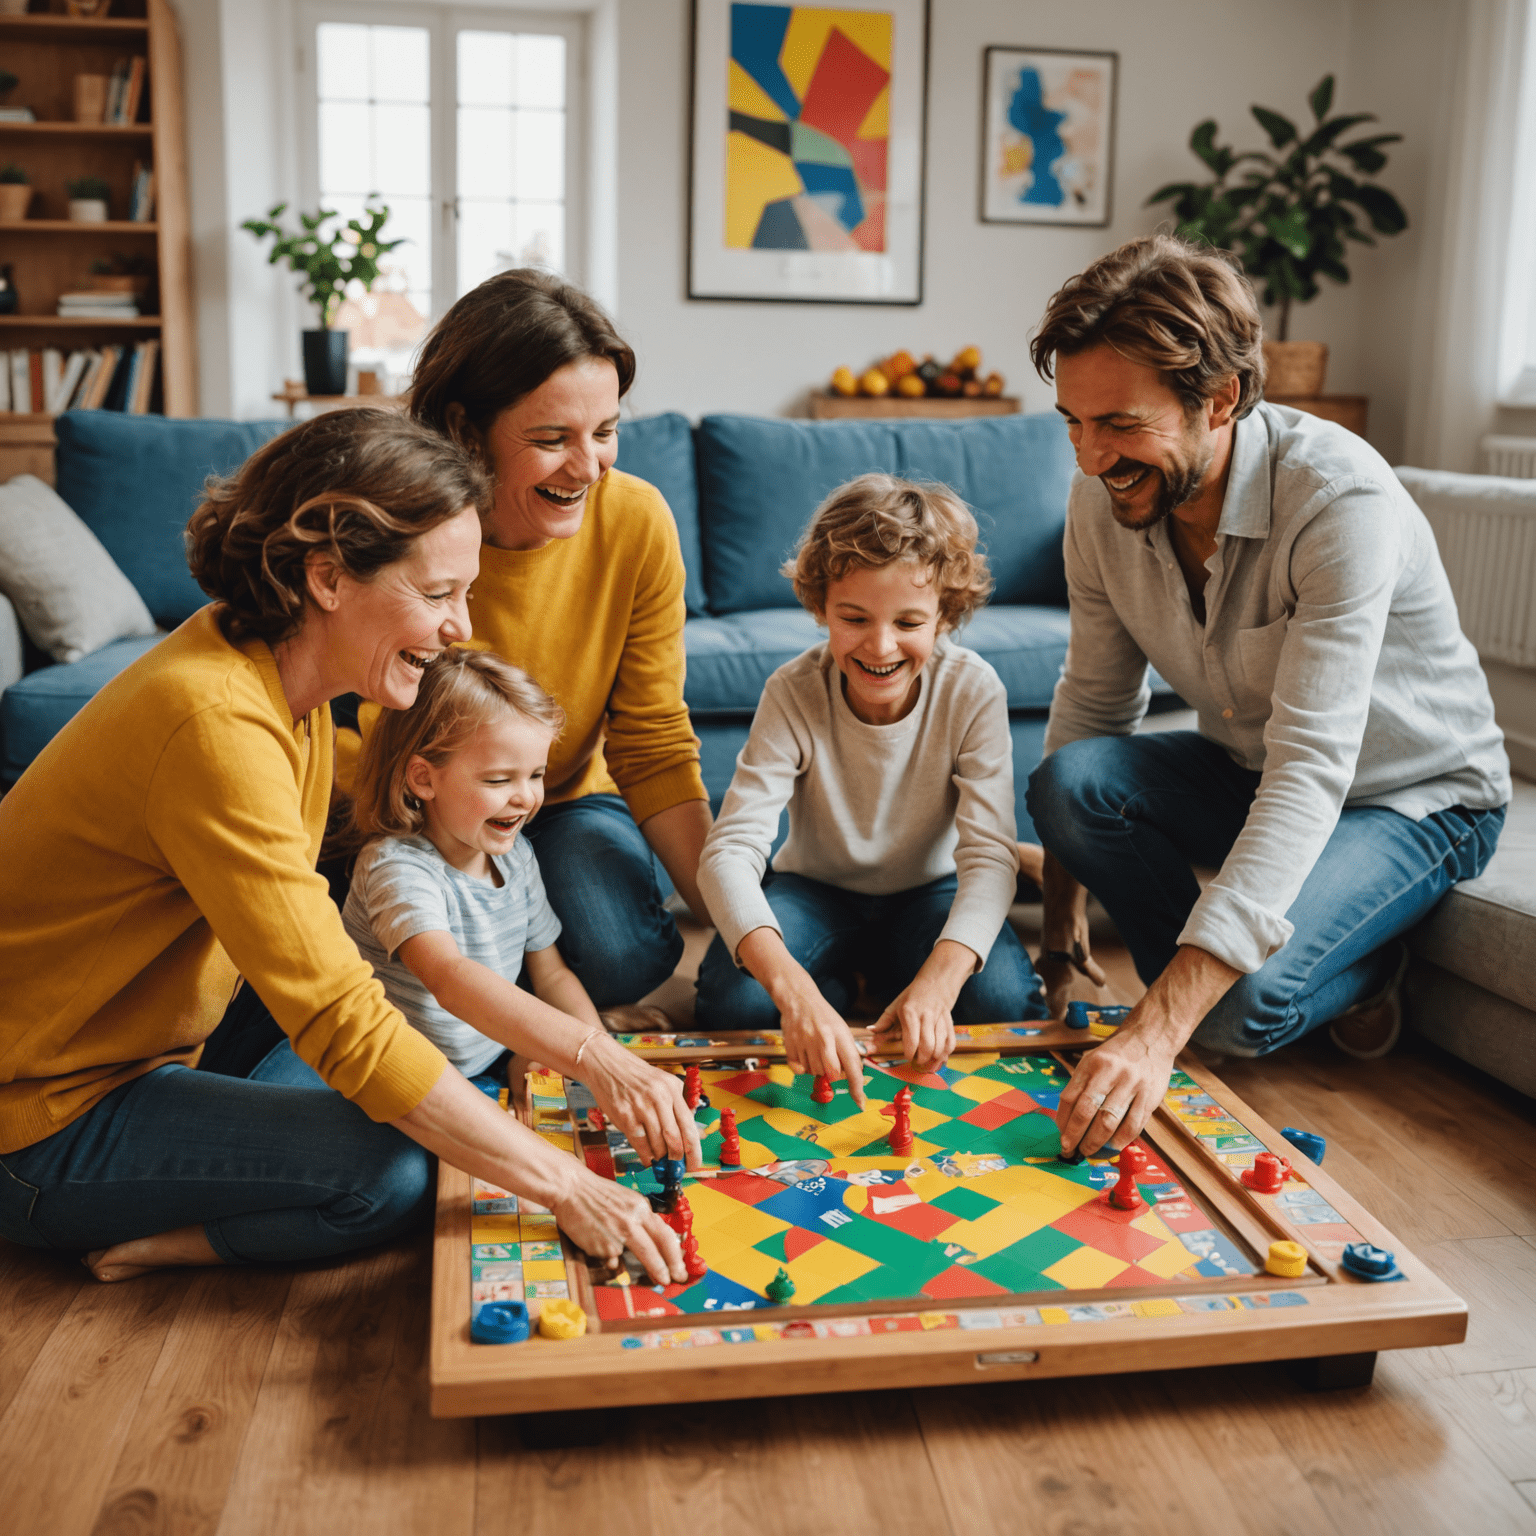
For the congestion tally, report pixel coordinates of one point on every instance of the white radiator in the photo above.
(1485, 526)
(1511, 456)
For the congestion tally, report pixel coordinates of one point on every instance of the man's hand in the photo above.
(644, 1102)
(1118, 1084)
(603, 1219)
(923, 1010)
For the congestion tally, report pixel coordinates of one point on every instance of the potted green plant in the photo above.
(88, 198)
(1289, 215)
(121, 274)
(15, 194)
(328, 264)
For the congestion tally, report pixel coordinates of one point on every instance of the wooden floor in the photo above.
(292, 1402)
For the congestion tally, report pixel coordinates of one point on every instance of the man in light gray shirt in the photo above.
(1347, 769)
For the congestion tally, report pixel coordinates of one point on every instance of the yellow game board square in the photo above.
(493, 1229)
(1162, 1306)
(538, 1229)
(982, 1089)
(544, 1269)
(1001, 1228)
(749, 1267)
(779, 1073)
(1153, 1225)
(931, 1185)
(746, 1224)
(1055, 1315)
(831, 1262)
(1173, 1258)
(1086, 1269)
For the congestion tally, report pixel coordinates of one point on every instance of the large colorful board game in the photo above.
(828, 1260)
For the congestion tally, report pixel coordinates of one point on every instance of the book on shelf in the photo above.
(17, 115)
(99, 306)
(125, 89)
(141, 200)
(114, 378)
(21, 382)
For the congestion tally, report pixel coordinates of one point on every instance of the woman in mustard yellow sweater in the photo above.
(581, 585)
(163, 847)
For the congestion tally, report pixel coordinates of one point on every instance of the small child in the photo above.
(889, 744)
(448, 907)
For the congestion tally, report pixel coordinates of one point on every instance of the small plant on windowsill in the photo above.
(328, 265)
(15, 193)
(1288, 216)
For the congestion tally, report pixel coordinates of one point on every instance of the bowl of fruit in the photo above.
(901, 378)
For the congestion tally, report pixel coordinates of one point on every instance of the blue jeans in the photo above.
(252, 1145)
(605, 886)
(1127, 816)
(837, 934)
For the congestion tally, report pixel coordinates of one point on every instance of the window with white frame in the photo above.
(465, 123)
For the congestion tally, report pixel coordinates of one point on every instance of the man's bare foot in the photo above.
(166, 1250)
(1032, 862)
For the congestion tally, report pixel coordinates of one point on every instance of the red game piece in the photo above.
(1125, 1196)
(680, 1217)
(822, 1092)
(693, 1087)
(900, 1139)
(730, 1140)
(595, 1119)
(695, 1265)
(1268, 1173)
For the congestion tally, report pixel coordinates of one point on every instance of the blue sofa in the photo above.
(740, 488)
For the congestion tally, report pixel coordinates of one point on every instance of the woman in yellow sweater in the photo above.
(581, 585)
(163, 847)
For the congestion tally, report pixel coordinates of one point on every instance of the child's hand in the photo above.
(818, 1041)
(645, 1103)
(603, 1219)
(922, 1011)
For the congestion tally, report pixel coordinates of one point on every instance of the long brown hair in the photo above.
(358, 486)
(501, 341)
(460, 691)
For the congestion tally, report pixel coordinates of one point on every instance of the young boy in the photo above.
(889, 744)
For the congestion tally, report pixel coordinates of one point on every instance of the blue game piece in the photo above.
(1369, 1263)
(1308, 1143)
(1077, 1014)
(500, 1322)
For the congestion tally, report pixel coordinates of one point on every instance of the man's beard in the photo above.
(1175, 487)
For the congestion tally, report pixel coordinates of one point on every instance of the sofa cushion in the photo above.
(34, 710)
(660, 449)
(1485, 929)
(760, 480)
(135, 480)
(732, 656)
(68, 591)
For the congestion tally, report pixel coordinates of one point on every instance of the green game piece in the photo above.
(781, 1288)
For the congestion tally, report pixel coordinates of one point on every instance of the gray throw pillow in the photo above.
(68, 591)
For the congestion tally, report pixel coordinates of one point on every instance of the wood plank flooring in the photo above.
(292, 1402)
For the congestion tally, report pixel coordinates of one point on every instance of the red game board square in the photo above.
(924, 1221)
(905, 1072)
(1182, 1216)
(1014, 1099)
(748, 1188)
(1100, 1226)
(957, 1280)
(991, 1115)
(797, 1241)
(1136, 1275)
(600, 1160)
(742, 1083)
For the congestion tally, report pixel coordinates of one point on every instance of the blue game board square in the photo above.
(719, 1294)
(804, 1205)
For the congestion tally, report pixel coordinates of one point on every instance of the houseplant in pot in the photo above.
(328, 264)
(15, 193)
(1288, 216)
(88, 198)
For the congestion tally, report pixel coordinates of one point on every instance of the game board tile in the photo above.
(905, 1073)
(960, 1281)
(1001, 1228)
(888, 1245)
(982, 1089)
(1134, 1274)
(748, 1268)
(544, 1270)
(538, 1252)
(1085, 1269)
(924, 1221)
(484, 1253)
(1039, 1250)
(990, 1116)
(809, 1203)
(930, 1184)
(954, 1135)
(825, 1266)
(712, 1204)
(600, 1160)
(1151, 1223)
(1182, 1216)
(1173, 1258)
(1096, 1226)
(967, 1204)
(747, 1225)
(1013, 1273)
(737, 1084)
(941, 1101)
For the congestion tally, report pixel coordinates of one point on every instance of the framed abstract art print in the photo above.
(806, 177)
(1047, 136)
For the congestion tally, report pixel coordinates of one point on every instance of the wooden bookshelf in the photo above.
(52, 254)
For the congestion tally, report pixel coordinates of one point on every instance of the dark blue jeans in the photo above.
(252, 1145)
(1127, 816)
(838, 935)
(605, 885)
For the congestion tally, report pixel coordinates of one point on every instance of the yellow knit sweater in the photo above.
(597, 621)
(163, 844)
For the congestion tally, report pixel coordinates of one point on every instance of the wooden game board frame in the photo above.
(1343, 1317)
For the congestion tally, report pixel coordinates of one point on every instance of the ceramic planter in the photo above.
(87, 210)
(325, 362)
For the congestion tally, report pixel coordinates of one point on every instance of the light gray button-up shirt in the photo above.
(1331, 659)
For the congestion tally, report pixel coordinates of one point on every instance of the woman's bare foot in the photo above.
(166, 1250)
(1032, 862)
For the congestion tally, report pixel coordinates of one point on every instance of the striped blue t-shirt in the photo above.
(403, 886)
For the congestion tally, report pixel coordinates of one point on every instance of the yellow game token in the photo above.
(560, 1318)
(1287, 1259)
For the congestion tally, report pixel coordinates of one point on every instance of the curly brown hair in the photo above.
(875, 520)
(462, 690)
(1184, 309)
(504, 339)
(358, 486)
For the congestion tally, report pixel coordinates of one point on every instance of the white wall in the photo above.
(1180, 60)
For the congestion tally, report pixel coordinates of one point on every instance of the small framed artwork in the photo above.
(806, 155)
(1047, 136)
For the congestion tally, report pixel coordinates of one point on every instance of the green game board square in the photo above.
(894, 1282)
(943, 1101)
(887, 1245)
(965, 1203)
(1017, 1275)
(785, 1148)
(1042, 1248)
(1019, 1138)
(953, 1135)
(844, 1295)
(773, 1246)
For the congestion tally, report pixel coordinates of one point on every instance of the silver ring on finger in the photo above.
(1117, 1114)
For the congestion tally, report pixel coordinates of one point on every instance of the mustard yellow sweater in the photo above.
(162, 845)
(597, 621)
